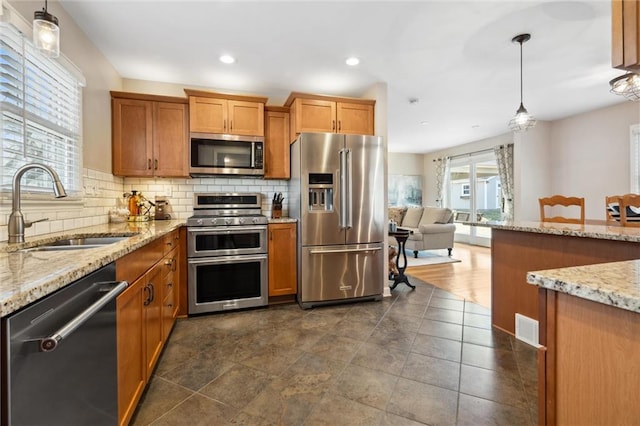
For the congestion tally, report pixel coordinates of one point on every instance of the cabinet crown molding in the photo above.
(207, 94)
(148, 97)
(298, 95)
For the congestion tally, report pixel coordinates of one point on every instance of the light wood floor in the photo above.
(470, 278)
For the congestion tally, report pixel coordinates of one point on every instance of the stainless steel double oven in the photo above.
(227, 253)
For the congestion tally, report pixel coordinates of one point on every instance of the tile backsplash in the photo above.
(101, 192)
(180, 192)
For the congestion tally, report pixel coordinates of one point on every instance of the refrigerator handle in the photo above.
(349, 195)
(342, 222)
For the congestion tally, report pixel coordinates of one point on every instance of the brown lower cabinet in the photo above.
(146, 313)
(588, 370)
(282, 259)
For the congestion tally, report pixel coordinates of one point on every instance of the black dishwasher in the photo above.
(60, 365)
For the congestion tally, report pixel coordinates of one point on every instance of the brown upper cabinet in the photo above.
(625, 25)
(276, 143)
(149, 135)
(319, 113)
(211, 112)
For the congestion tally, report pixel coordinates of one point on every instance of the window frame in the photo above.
(59, 68)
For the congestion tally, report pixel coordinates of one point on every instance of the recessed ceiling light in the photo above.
(424, 123)
(227, 59)
(352, 61)
(475, 126)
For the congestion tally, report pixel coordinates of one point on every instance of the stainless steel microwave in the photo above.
(218, 154)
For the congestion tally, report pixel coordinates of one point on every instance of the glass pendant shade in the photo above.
(627, 85)
(523, 120)
(46, 33)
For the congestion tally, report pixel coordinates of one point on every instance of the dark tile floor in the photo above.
(418, 357)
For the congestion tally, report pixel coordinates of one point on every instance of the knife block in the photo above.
(276, 211)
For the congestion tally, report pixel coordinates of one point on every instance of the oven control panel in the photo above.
(226, 221)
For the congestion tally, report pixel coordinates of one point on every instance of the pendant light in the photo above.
(46, 33)
(627, 85)
(522, 120)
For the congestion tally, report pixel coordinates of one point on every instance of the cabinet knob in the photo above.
(149, 163)
(339, 125)
(155, 164)
(333, 125)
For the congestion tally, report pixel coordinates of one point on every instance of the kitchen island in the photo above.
(590, 335)
(520, 247)
(27, 276)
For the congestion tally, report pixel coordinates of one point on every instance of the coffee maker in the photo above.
(163, 209)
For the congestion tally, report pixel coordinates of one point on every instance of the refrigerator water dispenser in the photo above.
(320, 192)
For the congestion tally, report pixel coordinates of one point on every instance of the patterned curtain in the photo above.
(504, 158)
(442, 176)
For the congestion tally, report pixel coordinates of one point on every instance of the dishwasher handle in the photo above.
(48, 344)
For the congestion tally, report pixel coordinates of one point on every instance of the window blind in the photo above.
(40, 115)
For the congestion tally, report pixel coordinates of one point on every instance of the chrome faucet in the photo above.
(16, 219)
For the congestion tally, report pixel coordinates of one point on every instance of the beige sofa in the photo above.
(431, 228)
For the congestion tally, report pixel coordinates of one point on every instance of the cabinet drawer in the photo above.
(135, 264)
(170, 241)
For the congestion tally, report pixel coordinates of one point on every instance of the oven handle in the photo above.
(225, 259)
(345, 250)
(225, 229)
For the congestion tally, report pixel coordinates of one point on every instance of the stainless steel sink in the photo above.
(76, 243)
(89, 241)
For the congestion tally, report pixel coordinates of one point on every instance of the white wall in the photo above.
(532, 171)
(406, 164)
(589, 155)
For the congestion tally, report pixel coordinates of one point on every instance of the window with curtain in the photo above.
(41, 115)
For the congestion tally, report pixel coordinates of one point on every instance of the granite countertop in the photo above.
(615, 284)
(26, 276)
(600, 232)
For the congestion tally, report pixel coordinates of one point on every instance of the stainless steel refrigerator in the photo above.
(337, 193)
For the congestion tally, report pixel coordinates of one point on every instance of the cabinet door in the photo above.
(315, 116)
(276, 141)
(132, 137)
(246, 118)
(208, 115)
(625, 26)
(131, 369)
(153, 317)
(355, 119)
(282, 259)
(170, 140)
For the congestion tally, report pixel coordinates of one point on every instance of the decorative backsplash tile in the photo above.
(102, 191)
(180, 192)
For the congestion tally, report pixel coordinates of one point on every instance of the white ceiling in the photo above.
(455, 57)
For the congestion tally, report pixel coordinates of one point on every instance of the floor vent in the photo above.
(527, 330)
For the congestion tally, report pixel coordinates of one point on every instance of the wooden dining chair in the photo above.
(629, 203)
(560, 200)
(612, 209)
